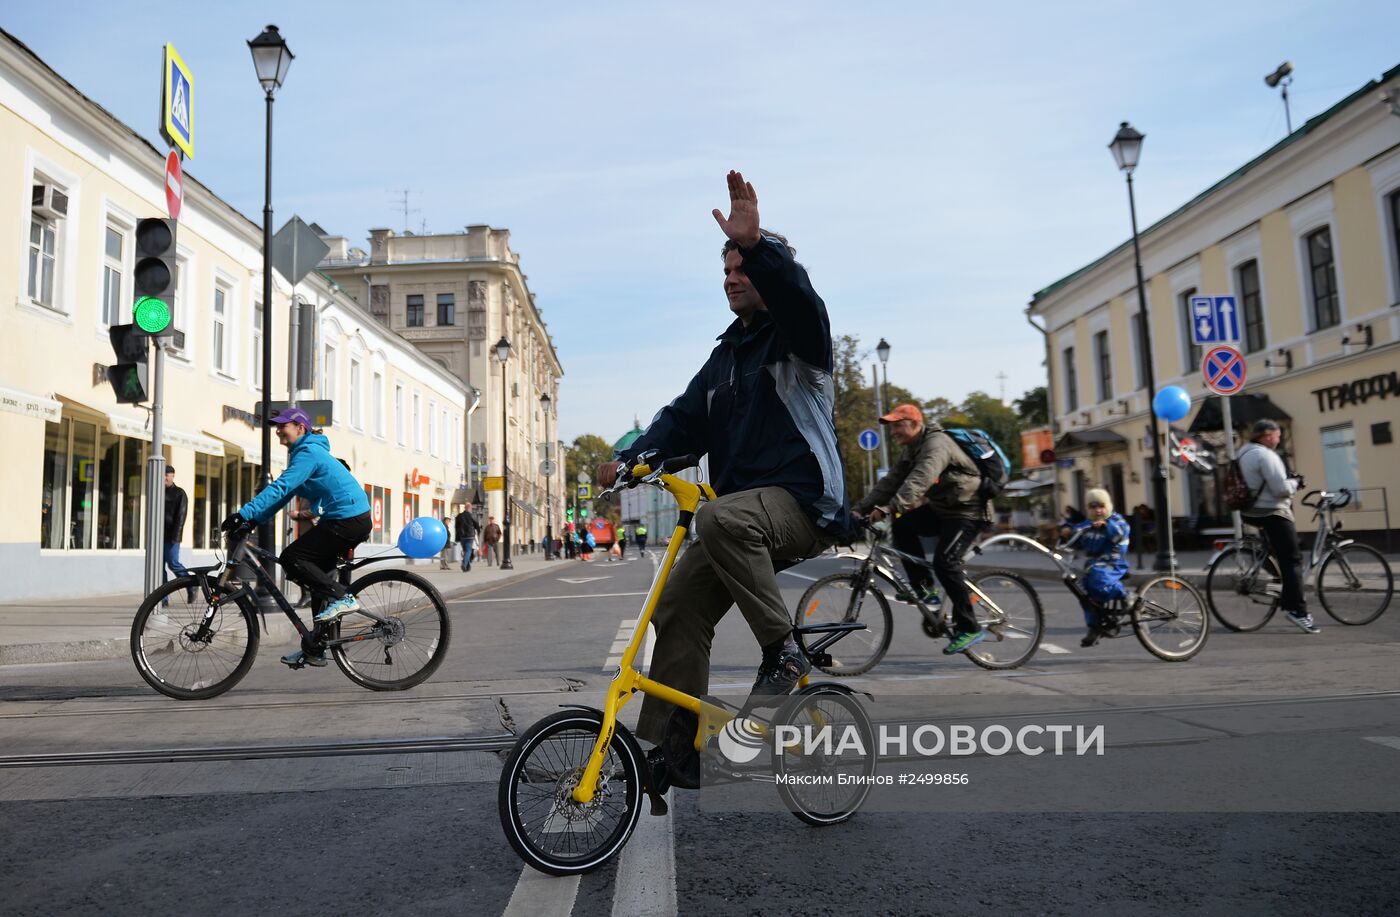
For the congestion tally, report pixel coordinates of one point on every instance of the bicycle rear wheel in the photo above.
(404, 652)
(825, 782)
(1170, 619)
(542, 822)
(1355, 584)
(1243, 587)
(181, 657)
(1012, 618)
(842, 597)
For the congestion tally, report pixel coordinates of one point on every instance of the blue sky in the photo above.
(933, 164)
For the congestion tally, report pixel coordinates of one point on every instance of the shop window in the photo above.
(207, 501)
(1339, 461)
(91, 496)
(133, 471)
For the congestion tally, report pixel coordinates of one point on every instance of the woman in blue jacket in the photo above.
(1103, 538)
(313, 474)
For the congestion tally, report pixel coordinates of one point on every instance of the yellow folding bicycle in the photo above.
(571, 791)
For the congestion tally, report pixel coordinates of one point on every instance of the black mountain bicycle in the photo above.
(196, 636)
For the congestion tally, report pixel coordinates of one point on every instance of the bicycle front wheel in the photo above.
(843, 597)
(544, 824)
(1243, 587)
(403, 650)
(180, 654)
(1170, 619)
(1012, 617)
(1355, 584)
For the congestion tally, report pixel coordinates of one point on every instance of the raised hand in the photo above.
(742, 223)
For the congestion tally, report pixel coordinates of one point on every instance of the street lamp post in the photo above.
(1126, 147)
(882, 401)
(503, 354)
(271, 58)
(548, 500)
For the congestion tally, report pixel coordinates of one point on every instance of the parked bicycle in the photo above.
(571, 791)
(1007, 608)
(1353, 581)
(196, 636)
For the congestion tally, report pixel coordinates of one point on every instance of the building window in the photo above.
(256, 343)
(43, 259)
(70, 499)
(328, 379)
(219, 345)
(356, 415)
(447, 309)
(1104, 365)
(1394, 200)
(432, 428)
(113, 245)
(398, 415)
(415, 310)
(1322, 270)
(179, 344)
(417, 423)
(376, 394)
(1071, 381)
(1191, 350)
(1139, 350)
(1339, 458)
(1251, 305)
(207, 501)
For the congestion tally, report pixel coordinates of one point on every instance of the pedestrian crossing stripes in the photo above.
(625, 630)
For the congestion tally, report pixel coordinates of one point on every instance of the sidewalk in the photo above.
(99, 627)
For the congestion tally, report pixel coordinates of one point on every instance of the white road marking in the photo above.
(545, 598)
(625, 630)
(1053, 649)
(1388, 741)
(539, 895)
(576, 580)
(800, 575)
(646, 877)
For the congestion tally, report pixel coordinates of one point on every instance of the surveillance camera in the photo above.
(1283, 70)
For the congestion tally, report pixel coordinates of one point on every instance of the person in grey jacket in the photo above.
(1272, 511)
(934, 489)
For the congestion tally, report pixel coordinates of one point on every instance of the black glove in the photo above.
(234, 523)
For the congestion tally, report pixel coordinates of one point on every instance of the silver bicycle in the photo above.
(1353, 581)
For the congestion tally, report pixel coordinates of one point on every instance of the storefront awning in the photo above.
(1088, 439)
(524, 507)
(1023, 486)
(1244, 411)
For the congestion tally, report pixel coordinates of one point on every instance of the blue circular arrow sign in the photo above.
(869, 440)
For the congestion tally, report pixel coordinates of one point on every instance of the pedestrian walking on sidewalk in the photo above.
(492, 537)
(177, 503)
(466, 529)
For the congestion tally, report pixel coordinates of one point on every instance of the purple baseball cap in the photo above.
(293, 415)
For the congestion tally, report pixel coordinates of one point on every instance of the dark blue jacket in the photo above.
(311, 473)
(761, 406)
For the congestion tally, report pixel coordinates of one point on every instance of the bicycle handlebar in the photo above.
(1327, 499)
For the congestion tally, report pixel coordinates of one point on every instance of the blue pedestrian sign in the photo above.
(1214, 320)
(869, 440)
(177, 102)
(1224, 371)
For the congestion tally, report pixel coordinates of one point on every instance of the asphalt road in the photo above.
(1256, 778)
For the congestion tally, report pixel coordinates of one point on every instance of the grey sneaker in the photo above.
(300, 658)
(1304, 621)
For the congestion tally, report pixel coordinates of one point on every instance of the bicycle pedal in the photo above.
(294, 665)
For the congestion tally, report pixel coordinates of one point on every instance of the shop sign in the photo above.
(1381, 385)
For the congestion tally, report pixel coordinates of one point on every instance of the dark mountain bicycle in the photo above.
(1006, 606)
(1353, 581)
(196, 636)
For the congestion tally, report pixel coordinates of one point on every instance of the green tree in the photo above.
(1033, 408)
(585, 454)
(1001, 423)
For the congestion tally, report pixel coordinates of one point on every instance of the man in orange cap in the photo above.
(934, 489)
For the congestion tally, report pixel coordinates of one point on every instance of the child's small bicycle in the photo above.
(571, 791)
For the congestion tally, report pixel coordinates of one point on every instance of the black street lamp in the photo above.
(503, 354)
(1126, 147)
(882, 350)
(271, 58)
(548, 500)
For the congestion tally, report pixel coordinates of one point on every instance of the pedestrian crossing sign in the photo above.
(177, 102)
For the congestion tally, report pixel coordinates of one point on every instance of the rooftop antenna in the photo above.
(1281, 78)
(401, 202)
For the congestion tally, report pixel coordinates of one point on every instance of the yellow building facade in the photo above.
(74, 181)
(1306, 238)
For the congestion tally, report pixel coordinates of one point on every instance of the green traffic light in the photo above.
(152, 314)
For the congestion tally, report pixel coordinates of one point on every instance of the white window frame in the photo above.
(376, 394)
(417, 422)
(42, 171)
(356, 413)
(255, 345)
(1305, 217)
(399, 417)
(184, 265)
(219, 328)
(330, 358)
(122, 266)
(1385, 181)
(432, 428)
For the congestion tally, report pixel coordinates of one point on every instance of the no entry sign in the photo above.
(1224, 371)
(174, 185)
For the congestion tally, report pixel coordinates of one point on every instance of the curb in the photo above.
(278, 632)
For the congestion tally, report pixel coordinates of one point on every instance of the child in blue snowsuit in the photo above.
(1103, 538)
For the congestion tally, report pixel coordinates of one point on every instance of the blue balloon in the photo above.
(423, 537)
(1172, 403)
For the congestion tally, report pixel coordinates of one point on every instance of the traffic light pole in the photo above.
(155, 477)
